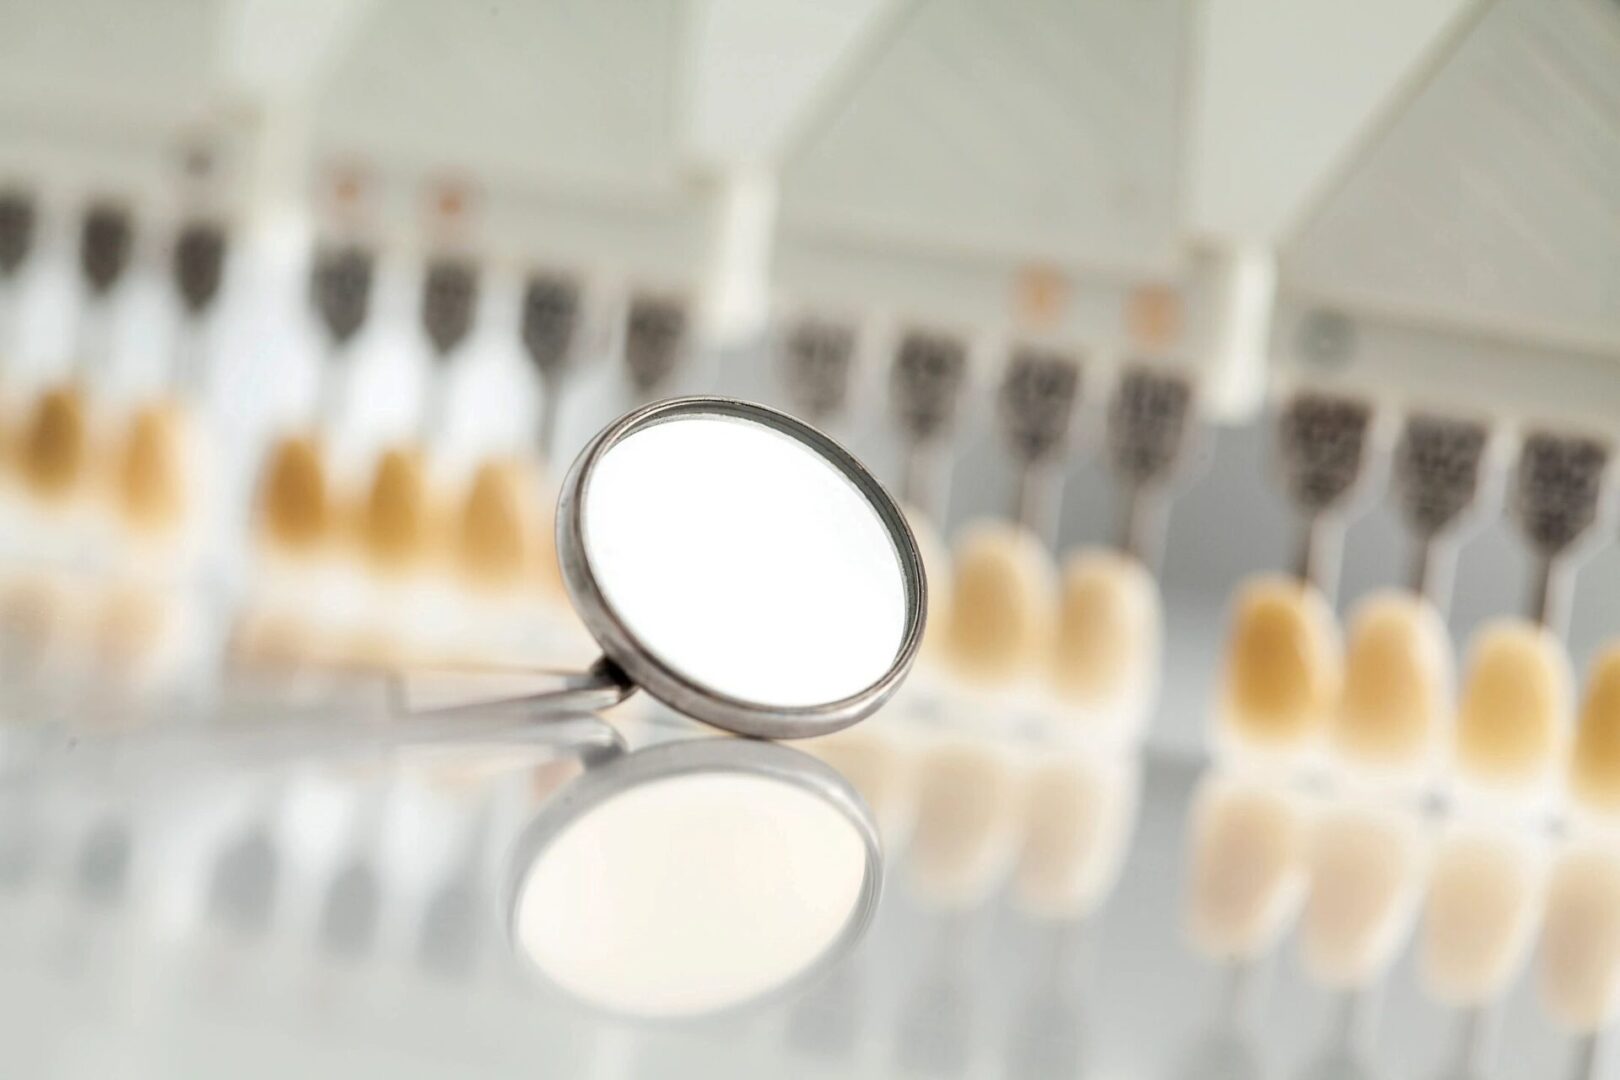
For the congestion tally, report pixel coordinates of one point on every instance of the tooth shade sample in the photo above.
(968, 811)
(1595, 764)
(1484, 896)
(1248, 868)
(937, 570)
(1077, 820)
(878, 766)
(293, 502)
(1397, 682)
(500, 526)
(1107, 649)
(150, 482)
(1366, 871)
(1003, 609)
(1580, 940)
(54, 446)
(394, 521)
(1515, 700)
(1283, 670)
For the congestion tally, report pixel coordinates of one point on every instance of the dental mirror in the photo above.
(741, 567)
(692, 878)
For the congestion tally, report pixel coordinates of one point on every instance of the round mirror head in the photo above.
(741, 567)
(693, 878)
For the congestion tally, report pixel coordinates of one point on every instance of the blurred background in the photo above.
(1247, 368)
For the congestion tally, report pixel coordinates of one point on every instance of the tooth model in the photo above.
(294, 503)
(1283, 670)
(1516, 700)
(500, 537)
(1283, 667)
(1594, 775)
(150, 481)
(1398, 681)
(395, 518)
(53, 450)
(1003, 604)
(1004, 608)
(1106, 657)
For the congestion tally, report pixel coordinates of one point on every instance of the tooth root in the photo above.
(54, 449)
(967, 819)
(1580, 943)
(1365, 869)
(151, 470)
(877, 766)
(394, 521)
(1003, 609)
(1248, 868)
(1397, 682)
(937, 570)
(293, 500)
(1480, 914)
(1078, 817)
(1106, 655)
(1511, 719)
(1283, 670)
(1595, 764)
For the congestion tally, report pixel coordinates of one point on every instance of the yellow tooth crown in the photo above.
(394, 521)
(293, 501)
(1595, 766)
(1002, 613)
(1108, 629)
(1283, 671)
(1515, 700)
(498, 526)
(150, 480)
(54, 448)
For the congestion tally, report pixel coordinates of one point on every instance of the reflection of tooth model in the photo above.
(1078, 815)
(1247, 877)
(966, 823)
(1366, 871)
(1283, 666)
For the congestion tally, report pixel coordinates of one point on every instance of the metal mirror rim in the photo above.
(690, 757)
(675, 688)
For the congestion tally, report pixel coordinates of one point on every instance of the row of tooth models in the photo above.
(1358, 853)
(1381, 702)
